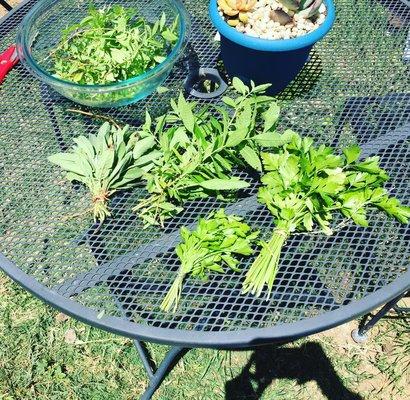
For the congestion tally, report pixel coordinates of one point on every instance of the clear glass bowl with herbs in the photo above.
(103, 53)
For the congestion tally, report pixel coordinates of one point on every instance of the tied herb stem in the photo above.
(264, 269)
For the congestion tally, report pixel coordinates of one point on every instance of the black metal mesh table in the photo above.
(355, 88)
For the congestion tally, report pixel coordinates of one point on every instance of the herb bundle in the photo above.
(111, 45)
(217, 242)
(109, 161)
(201, 146)
(304, 184)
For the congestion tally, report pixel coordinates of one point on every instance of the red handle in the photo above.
(8, 60)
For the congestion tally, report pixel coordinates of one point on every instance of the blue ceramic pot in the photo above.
(266, 61)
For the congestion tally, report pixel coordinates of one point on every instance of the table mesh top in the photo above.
(354, 89)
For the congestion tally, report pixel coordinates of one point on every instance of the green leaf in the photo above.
(352, 153)
(287, 214)
(162, 21)
(308, 221)
(68, 162)
(270, 116)
(359, 217)
(103, 132)
(162, 89)
(147, 158)
(185, 113)
(85, 145)
(122, 164)
(224, 184)
(236, 137)
(119, 55)
(229, 101)
(179, 137)
(289, 170)
(169, 36)
(370, 165)
(132, 174)
(104, 164)
(261, 88)
(271, 139)
(142, 146)
(402, 213)
(239, 86)
(251, 157)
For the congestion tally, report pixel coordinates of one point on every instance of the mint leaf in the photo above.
(185, 112)
(224, 184)
(251, 157)
(271, 139)
(239, 86)
(270, 116)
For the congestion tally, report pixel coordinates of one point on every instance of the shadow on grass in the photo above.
(305, 363)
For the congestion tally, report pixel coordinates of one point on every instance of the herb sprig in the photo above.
(304, 185)
(113, 159)
(110, 45)
(217, 242)
(202, 145)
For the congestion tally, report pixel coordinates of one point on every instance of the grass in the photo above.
(45, 355)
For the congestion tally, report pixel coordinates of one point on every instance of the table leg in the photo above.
(360, 335)
(157, 375)
(6, 5)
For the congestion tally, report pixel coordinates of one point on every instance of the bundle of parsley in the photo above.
(110, 45)
(305, 184)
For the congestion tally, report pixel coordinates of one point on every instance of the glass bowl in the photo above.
(40, 32)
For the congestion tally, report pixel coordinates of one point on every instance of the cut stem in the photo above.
(263, 270)
(96, 116)
(173, 296)
(100, 209)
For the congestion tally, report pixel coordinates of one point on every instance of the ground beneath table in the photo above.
(47, 355)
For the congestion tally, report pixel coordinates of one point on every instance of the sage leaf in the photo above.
(111, 167)
(68, 162)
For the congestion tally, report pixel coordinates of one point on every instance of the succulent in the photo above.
(305, 8)
(236, 10)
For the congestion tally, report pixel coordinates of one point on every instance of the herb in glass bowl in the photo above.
(111, 45)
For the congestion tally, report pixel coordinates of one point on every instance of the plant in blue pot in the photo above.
(269, 41)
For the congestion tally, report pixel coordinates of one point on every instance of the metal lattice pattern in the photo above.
(354, 89)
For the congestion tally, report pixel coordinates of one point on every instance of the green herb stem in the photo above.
(173, 296)
(101, 210)
(263, 270)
